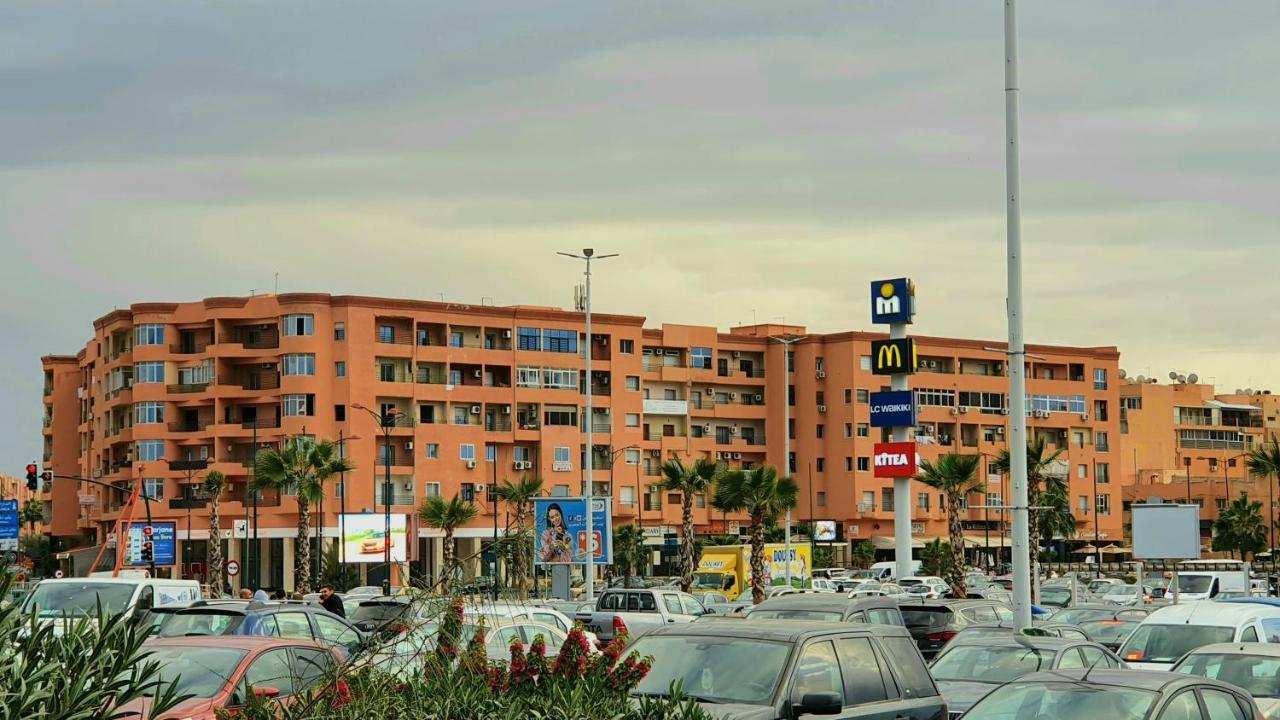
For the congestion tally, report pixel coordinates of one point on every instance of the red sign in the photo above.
(894, 460)
(147, 531)
(597, 547)
(233, 568)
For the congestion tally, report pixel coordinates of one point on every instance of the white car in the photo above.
(1172, 631)
(935, 584)
(529, 613)
(1127, 595)
(824, 585)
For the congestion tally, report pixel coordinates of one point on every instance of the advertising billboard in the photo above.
(1165, 531)
(560, 531)
(893, 357)
(894, 460)
(824, 530)
(163, 544)
(365, 537)
(9, 525)
(892, 301)
(894, 408)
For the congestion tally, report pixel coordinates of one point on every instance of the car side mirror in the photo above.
(269, 693)
(819, 703)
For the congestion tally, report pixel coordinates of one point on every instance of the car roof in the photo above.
(791, 631)
(248, 607)
(1153, 680)
(237, 642)
(1236, 648)
(1273, 602)
(1210, 612)
(1039, 642)
(808, 601)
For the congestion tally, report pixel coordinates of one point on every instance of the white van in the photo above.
(1208, 584)
(886, 571)
(77, 597)
(1170, 632)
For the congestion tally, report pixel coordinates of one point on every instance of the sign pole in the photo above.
(893, 303)
(901, 486)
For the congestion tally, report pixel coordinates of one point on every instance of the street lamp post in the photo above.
(787, 341)
(588, 478)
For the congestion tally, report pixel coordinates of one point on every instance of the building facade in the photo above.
(488, 393)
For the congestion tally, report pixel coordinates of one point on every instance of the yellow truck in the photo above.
(727, 568)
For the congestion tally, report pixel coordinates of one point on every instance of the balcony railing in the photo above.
(262, 422)
(399, 496)
(194, 348)
(398, 337)
(187, 427)
(652, 504)
(498, 425)
(252, 340)
(425, 377)
(266, 497)
(601, 427)
(187, 387)
(658, 433)
(260, 381)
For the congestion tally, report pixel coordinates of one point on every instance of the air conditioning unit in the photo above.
(517, 465)
(931, 363)
(655, 453)
(733, 430)
(408, 445)
(407, 487)
(475, 409)
(1084, 416)
(759, 398)
(1000, 430)
(723, 455)
(506, 334)
(528, 464)
(736, 456)
(954, 411)
(821, 374)
(476, 374)
(506, 409)
(733, 396)
(706, 428)
(963, 409)
(1004, 411)
(711, 391)
(471, 464)
(737, 354)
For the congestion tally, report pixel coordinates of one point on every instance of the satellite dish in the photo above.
(1123, 374)
(1153, 381)
(1248, 391)
(1193, 378)
(1173, 374)
(1239, 391)
(1167, 479)
(1182, 378)
(1266, 392)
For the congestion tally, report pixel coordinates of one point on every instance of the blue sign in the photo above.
(9, 525)
(163, 544)
(560, 531)
(892, 301)
(894, 408)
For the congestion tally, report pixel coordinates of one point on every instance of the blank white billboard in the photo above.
(1166, 532)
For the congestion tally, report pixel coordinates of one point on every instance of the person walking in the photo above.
(261, 595)
(246, 594)
(331, 602)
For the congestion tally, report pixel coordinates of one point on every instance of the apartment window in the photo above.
(922, 501)
(299, 364)
(820, 398)
(530, 377)
(560, 454)
(994, 499)
(298, 405)
(456, 339)
(848, 396)
(455, 377)
(791, 361)
(1102, 472)
(864, 464)
(1101, 442)
(864, 430)
(700, 500)
(460, 413)
(936, 398)
(1213, 464)
(432, 489)
(148, 413)
(820, 499)
(633, 456)
(490, 453)
(886, 499)
(467, 451)
(1131, 403)
(864, 362)
(560, 418)
(528, 339)
(149, 334)
(791, 462)
(848, 430)
(633, 383)
(560, 379)
(820, 464)
(819, 430)
(1082, 471)
(864, 397)
(700, 357)
(386, 334)
(521, 454)
(633, 420)
(432, 451)
(1099, 378)
(1100, 410)
(561, 341)
(339, 331)
(150, 450)
(153, 487)
(627, 347)
(340, 368)
(791, 395)
(818, 364)
(300, 325)
(1082, 504)
(848, 463)
(1104, 504)
(791, 428)
(148, 372)
(339, 413)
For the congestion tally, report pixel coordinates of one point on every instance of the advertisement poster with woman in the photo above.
(560, 531)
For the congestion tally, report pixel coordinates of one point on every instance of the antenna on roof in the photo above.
(277, 288)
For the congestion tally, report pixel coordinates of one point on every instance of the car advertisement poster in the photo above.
(9, 526)
(163, 545)
(560, 531)
(365, 537)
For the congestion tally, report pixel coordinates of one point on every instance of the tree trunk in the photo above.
(955, 574)
(302, 548)
(519, 557)
(686, 552)
(1033, 526)
(757, 560)
(215, 551)
(450, 553)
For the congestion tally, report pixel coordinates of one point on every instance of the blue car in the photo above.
(266, 619)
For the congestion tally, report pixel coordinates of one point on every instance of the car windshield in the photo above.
(1075, 616)
(910, 582)
(1166, 643)
(1033, 700)
(1258, 674)
(79, 598)
(200, 671)
(709, 581)
(1123, 590)
(1108, 631)
(1100, 585)
(718, 669)
(378, 613)
(919, 590)
(822, 615)
(989, 663)
(926, 617)
(1055, 595)
(1194, 583)
(200, 623)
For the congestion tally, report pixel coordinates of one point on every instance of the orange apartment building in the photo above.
(1183, 442)
(499, 391)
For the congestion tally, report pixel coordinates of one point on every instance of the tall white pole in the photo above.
(1017, 349)
(902, 551)
(588, 466)
(787, 341)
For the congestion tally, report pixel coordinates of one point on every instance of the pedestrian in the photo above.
(261, 595)
(299, 596)
(278, 595)
(331, 602)
(246, 594)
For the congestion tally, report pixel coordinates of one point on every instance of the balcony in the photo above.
(659, 433)
(398, 336)
(666, 407)
(601, 426)
(188, 427)
(189, 348)
(267, 497)
(260, 338)
(652, 503)
(399, 496)
(187, 387)
(498, 424)
(253, 381)
(261, 423)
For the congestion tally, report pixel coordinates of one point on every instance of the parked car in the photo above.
(222, 673)
(1110, 633)
(56, 599)
(1085, 613)
(158, 615)
(824, 585)
(1039, 629)
(934, 623)
(829, 608)
(1252, 667)
(385, 616)
(1114, 695)
(932, 581)
(1098, 587)
(1170, 632)
(403, 657)
(764, 670)
(640, 610)
(1127, 595)
(515, 612)
(968, 669)
(298, 622)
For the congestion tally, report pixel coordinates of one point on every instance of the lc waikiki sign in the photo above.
(895, 460)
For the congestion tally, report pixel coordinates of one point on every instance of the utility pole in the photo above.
(787, 341)
(1017, 349)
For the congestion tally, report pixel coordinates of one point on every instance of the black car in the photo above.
(934, 623)
(766, 670)
(968, 669)
(386, 616)
(269, 619)
(1094, 694)
(829, 607)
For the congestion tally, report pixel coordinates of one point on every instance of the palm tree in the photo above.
(1240, 528)
(519, 497)
(1264, 461)
(302, 466)
(630, 554)
(689, 481)
(936, 558)
(764, 495)
(447, 515)
(1058, 522)
(1040, 477)
(214, 484)
(956, 477)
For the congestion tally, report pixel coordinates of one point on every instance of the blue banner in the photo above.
(894, 408)
(560, 531)
(163, 544)
(9, 528)
(892, 301)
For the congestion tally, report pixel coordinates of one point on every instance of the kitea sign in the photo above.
(895, 460)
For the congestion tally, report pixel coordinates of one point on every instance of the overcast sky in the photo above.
(750, 160)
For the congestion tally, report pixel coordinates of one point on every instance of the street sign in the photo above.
(146, 530)
(57, 573)
(9, 526)
(233, 568)
(894, 460)
(894, 408)
(893, 357)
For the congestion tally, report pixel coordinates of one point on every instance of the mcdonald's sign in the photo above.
(893, 357)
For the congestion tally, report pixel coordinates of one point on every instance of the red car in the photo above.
(222, 671)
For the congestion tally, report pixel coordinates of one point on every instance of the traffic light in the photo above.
(46, 478)
(33, 480)
(146, 551)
